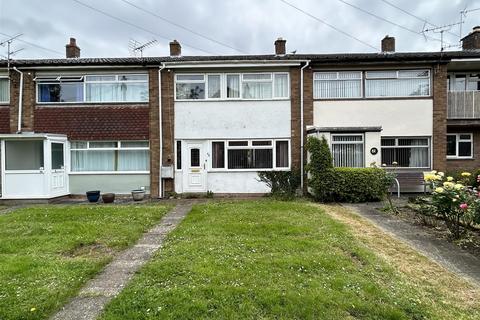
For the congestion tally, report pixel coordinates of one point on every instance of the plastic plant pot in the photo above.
(93, 196)
(138, 195)
(108, 197)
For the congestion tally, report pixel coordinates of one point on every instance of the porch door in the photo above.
(195, 174)
(58, 173)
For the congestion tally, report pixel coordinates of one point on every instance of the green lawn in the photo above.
(48, 252)
(274, 260)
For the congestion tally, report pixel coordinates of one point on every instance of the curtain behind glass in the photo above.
(348, 155)
(133, 160)
(233, 86)
(4, 90)
(116, 92)
(93, 160)
(397, 87)
(257, 90)
(281, 85)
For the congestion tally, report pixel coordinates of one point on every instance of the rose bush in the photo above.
(454, 200)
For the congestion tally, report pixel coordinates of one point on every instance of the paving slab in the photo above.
(443, 252)
(93, 297)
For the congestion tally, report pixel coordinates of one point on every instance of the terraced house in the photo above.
(209, 123)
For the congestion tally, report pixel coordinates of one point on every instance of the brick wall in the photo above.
(439, 139)
(168, 113)
(154, 130)
(94, 122)
(466, 164)
(28, 100)
(4, 119)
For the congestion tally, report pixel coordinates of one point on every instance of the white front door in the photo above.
(58, 177)
(194, 164)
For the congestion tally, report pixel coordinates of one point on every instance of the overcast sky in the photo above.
(247, 26)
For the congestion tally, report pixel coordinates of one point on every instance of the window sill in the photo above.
(460, 158)
(232, 100)
(375, 98)
(245, 170)
(89, 104)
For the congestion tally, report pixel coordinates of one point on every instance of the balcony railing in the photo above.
(463, 105)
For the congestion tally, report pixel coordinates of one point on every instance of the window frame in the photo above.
(6, 102)
(118, 147)
(223, 85)
(397, 77)
(397, 146)
(356, 134)
(249, 145)
(81, 78)
(457, 142)
(361, 79)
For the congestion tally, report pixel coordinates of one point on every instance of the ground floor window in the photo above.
(24, 155)
(459, 145)
(250, 154)
(348, 150)
(406, 152)
(110, 156)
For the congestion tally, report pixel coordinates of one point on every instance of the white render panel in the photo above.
(235, 182)
(407, 117)
(232, 119)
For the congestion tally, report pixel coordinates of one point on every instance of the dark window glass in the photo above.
(179, 155)
(191, 91)
(61, 92)
(250, 159)
(451, 145)
(261, 143)
(238, 143)
(195, 157)
(281, 154)
(24, 155)
(388, 142)
(57, 156)
(464, 149)
(218, 154)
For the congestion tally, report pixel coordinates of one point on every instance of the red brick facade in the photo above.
(439, 138)
(168, 122)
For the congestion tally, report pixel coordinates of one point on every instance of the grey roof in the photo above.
(315, 58)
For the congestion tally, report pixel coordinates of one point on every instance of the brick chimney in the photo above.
(175, 49)
(72, 50)
(388, 44)
(280, 47)
(472, 40)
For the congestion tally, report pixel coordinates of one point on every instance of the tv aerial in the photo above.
(136, 47)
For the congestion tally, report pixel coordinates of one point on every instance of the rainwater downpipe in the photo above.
(161, 183)
(307, 63)
(20, 101)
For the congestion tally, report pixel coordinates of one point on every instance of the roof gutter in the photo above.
(20, 101)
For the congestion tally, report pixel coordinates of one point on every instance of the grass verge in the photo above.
(275, 260)
(48, 252)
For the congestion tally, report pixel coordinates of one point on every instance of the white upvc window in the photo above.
(92, 88)
(4, 89)
(348, 150)
(110, 156)
(337, 85)
(397, 83)
(406, 152)
(232, 86)
(460, 145)
(250, 155)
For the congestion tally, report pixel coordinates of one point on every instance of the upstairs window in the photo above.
(464, 82)
(337, 85)
(4, 89)
(397, 83)
(116, 88)
(248, 86)
(92, 88)
(460, 145)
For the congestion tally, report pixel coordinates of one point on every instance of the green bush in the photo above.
(329, 184)
(283, 184)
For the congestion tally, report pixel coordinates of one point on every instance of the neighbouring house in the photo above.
(190, 124)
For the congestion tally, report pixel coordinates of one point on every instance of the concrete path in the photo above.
(446, 254)
(105, 286)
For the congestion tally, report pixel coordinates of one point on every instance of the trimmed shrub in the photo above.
(350, 185)
(329, 184)
(283, 184)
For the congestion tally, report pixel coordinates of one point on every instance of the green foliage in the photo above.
(457, 203)
(330, 184)
(283, 184)
(320, 156)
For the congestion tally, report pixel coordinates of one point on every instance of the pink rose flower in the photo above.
(464, 206)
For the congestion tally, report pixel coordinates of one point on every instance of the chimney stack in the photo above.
(72, 50)
(280, 47)
(472, 40)
(175, 49)
(388, 44)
